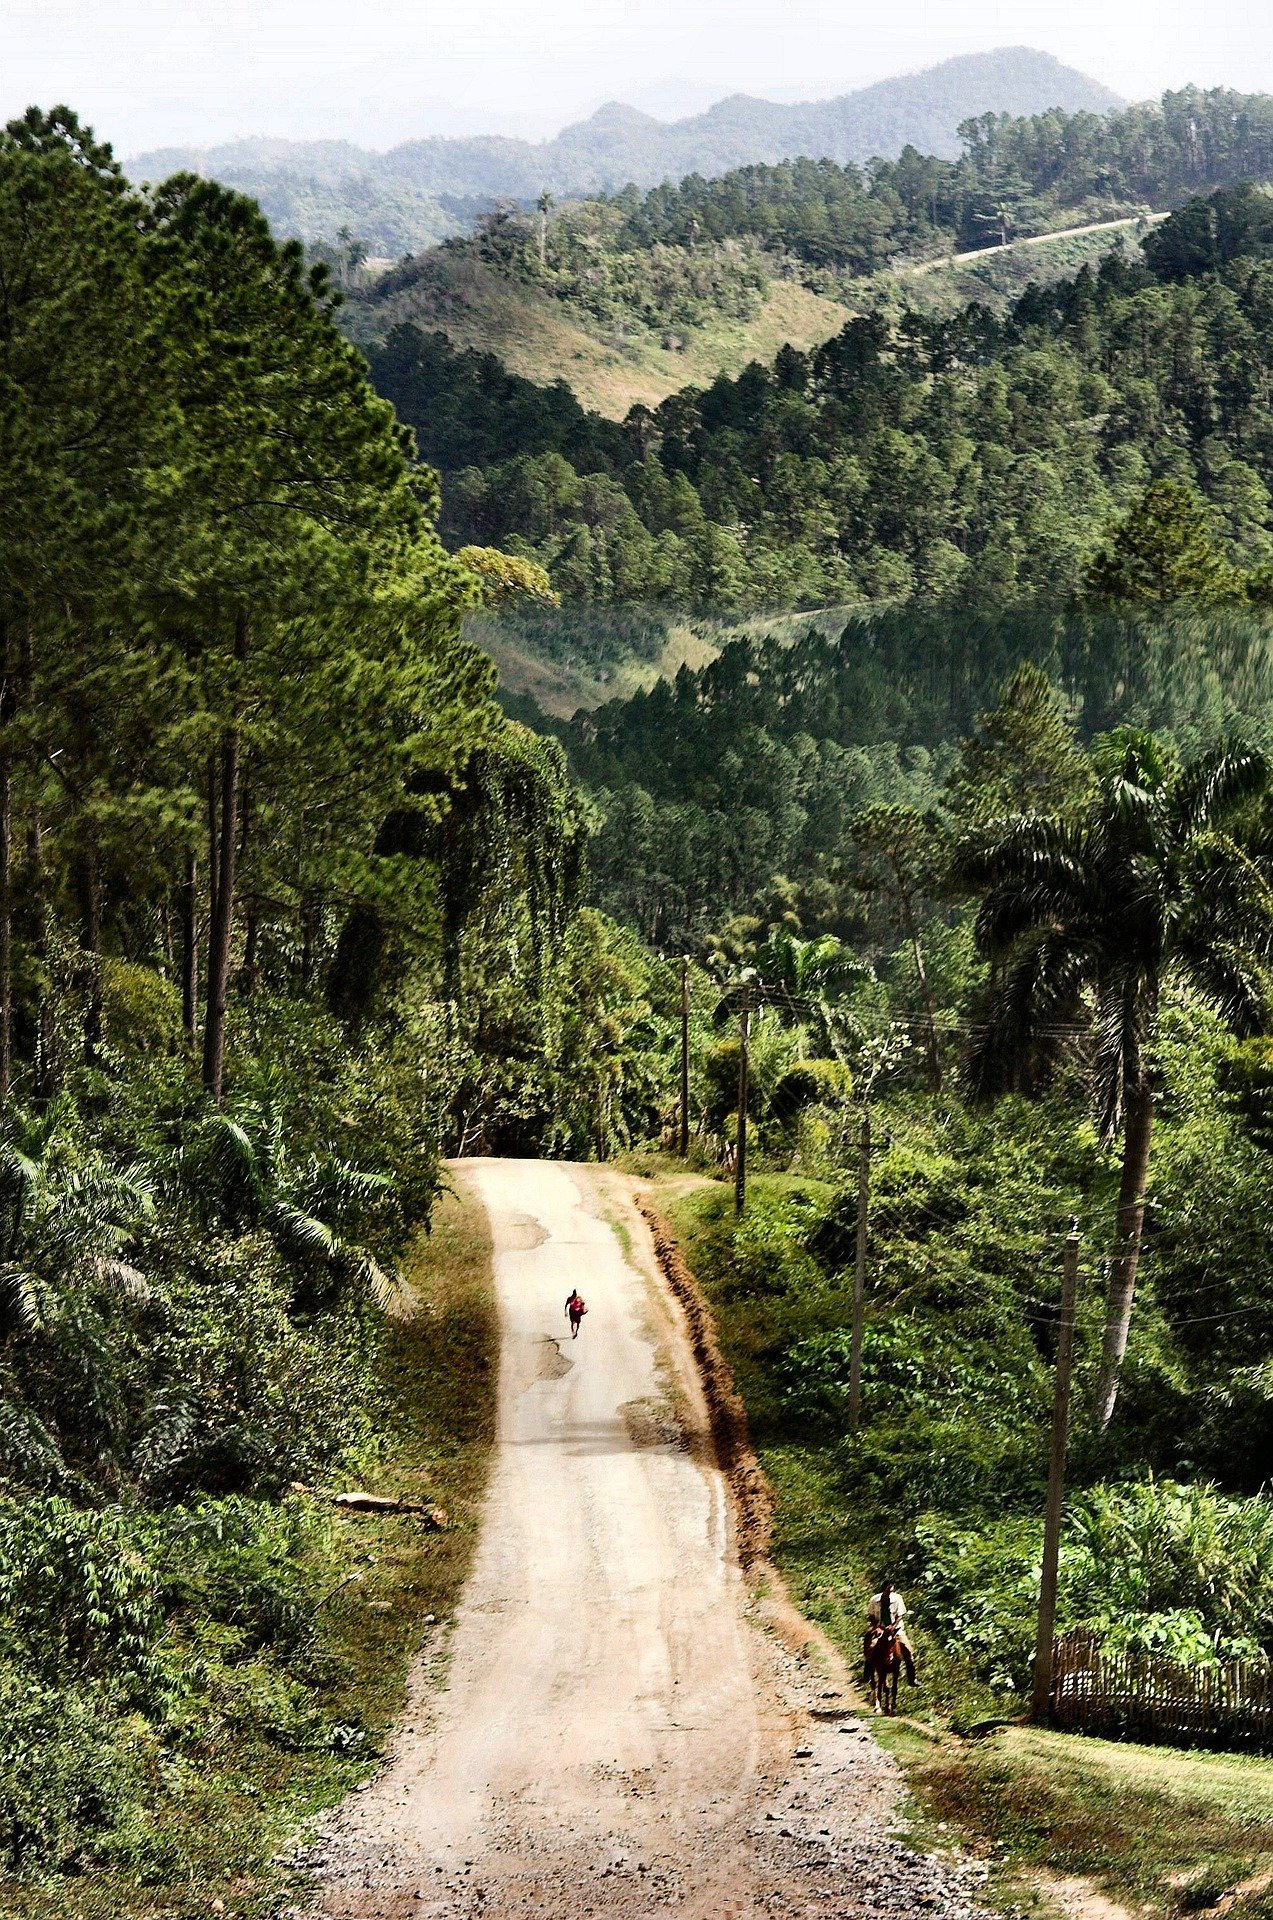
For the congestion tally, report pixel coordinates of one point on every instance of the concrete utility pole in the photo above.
(740, 1159)
(859, 1273)
(1056, 1480)
(685, 1056)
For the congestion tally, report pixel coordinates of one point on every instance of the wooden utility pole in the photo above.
(859, 1273)
(685, 1056)
(740, 1159)
(1056, 1479)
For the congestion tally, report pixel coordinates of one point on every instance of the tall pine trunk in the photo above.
(222, 858)
(251, 914)
(190, 950)
(1138, 1130)
(46, 1063)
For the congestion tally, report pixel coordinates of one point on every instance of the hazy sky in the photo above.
(152, 72)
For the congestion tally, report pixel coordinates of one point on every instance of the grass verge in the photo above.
(219, 1817)
(1161, 1831)
(1068, 1824)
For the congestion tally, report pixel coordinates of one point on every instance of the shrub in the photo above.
(245, 1564)
(141, 1010)
(811, 1083)
(770, 1253)
(68, 1773)
(1156, 1567)
(246, 1396)
(909, 1366)
(78, 1598)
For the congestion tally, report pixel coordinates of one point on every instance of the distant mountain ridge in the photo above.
(417, 192)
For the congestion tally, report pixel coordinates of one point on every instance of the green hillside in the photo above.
(931, 458)
(612, 363)
(631, 296)
(382, 192)
(635, 352)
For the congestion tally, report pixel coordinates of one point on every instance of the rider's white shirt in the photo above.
(897, 1607)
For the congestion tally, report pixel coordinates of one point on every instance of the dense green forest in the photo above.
(1017, 175)
(969, 458)
(734, 790)
(1029, 954)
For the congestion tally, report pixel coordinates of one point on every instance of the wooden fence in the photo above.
(1131, 1696)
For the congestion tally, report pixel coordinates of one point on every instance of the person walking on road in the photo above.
(575, 1311)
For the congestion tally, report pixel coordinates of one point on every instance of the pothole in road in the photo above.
(524, 1233)
(551, 1362)
(651, 1423)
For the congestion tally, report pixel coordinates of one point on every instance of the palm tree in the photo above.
(804, 979)
(236, 1172)
(66, 1223)
(1084, 921)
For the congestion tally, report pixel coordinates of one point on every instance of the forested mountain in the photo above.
(631, 296)
(1014, 175)
(314, 188)
(972, 458)
(1023, 172)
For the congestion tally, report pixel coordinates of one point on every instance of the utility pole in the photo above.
(740, 1158)
(1056, 1479)
(859, 1273)
(685, 1056)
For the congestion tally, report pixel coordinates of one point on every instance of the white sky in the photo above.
(146, 73)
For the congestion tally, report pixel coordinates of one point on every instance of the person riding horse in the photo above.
(887, 1609)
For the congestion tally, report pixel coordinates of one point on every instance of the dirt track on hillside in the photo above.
(619, 1735)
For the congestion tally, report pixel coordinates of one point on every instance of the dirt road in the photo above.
(618, 1735)
(1037, 240)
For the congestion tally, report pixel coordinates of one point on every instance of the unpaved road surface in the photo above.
(1038, 240)
(618, 1734)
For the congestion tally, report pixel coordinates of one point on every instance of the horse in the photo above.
(883, 1666)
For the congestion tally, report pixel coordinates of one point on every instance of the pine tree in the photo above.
(1163, 550)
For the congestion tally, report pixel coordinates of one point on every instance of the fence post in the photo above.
(1056, 1480)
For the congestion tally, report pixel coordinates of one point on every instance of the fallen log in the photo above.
(359, 1502)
